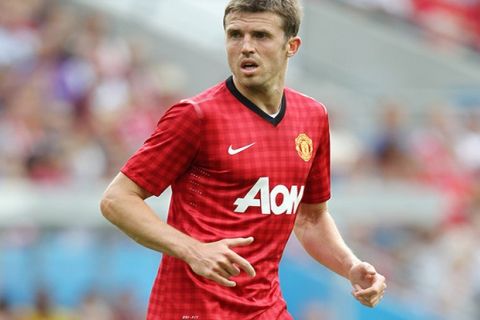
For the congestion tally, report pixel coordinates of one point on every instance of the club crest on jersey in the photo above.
(279, 200)
(304, 146)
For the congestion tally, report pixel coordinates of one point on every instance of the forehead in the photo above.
(253, 20)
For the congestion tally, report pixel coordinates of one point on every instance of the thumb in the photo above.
(238, 242)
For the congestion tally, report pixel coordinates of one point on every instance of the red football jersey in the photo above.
(235, 171)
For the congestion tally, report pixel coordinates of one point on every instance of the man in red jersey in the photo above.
(248, 161)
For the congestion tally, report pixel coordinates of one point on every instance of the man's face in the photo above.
(257, 49)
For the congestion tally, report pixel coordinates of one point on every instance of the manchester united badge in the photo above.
(304, 146)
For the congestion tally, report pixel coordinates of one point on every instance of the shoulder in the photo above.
(210, 98)
(197, 106)
(298, 100)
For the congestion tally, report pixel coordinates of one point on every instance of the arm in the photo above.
(318, 234)
(123, 205)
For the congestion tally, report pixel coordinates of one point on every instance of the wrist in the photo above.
(188, 250)
(350, 264)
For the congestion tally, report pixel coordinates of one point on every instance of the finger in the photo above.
(362, 300)
(357, 289)
(367, 293)
(366, 269)
(242, 263)
(376, 300)
(372, 299)
(370, 269)
(238, 242)
(230, 268)
(379, 283)
(377, 286)
(221, 280)
(222, 272)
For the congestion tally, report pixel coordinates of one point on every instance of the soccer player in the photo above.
(248, 162)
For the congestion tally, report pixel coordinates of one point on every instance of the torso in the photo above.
(247, 178)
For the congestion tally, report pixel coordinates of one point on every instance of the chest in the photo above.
(243, 147)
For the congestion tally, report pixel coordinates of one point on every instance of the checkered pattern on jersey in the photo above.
(235, 172)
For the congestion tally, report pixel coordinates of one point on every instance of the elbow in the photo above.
(299, 231)
(107, 206)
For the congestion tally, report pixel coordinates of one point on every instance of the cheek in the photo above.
(282, 56)
(275, 58)
(231, 52)
(230, 58)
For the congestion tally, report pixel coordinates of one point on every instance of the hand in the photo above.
(369, 286)
(217, 262)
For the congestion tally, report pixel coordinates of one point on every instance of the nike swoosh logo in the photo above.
(232, 151)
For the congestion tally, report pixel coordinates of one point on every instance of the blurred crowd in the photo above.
(77, 98)
(434, 264)
(92, 307)
(443, 22)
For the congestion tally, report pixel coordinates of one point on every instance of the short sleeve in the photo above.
(317, 189)
(168, 152)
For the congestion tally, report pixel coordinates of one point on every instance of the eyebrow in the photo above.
(236, 29)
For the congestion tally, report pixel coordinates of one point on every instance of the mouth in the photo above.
(248, 66)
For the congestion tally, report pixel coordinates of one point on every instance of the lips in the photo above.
(248, 65)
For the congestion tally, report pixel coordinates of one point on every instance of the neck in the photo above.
(267, 98)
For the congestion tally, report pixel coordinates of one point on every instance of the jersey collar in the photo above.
(252, 106)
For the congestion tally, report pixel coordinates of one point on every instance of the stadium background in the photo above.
(82, 83)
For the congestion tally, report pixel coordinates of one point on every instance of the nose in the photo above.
(247, 45)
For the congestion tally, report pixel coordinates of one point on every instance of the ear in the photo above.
(293, 45)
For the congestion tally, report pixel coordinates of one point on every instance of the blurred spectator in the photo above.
(44, 310)
(317, 310)
(390, 155)
(394, 7)
(125, 308)
(449, 21)
(346, 149)
(94, 307)
(5, 311)
(18, 37)
(445, 23)
(468, 145)
(433, 146)
(86, 156)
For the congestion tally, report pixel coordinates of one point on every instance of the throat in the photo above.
(273, 115)
(270, 106)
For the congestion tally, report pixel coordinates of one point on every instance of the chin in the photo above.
(250, 81)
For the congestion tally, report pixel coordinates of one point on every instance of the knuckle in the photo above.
(226, 266)
(217, 269)
(224, 250)
(224, 259)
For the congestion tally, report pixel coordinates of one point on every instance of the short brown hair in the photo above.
(289, 10)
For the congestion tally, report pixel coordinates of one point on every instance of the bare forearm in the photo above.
(134, 217)
(123, 204)
(322, 240)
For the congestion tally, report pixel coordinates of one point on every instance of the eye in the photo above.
(260, 35)
(234, 34)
